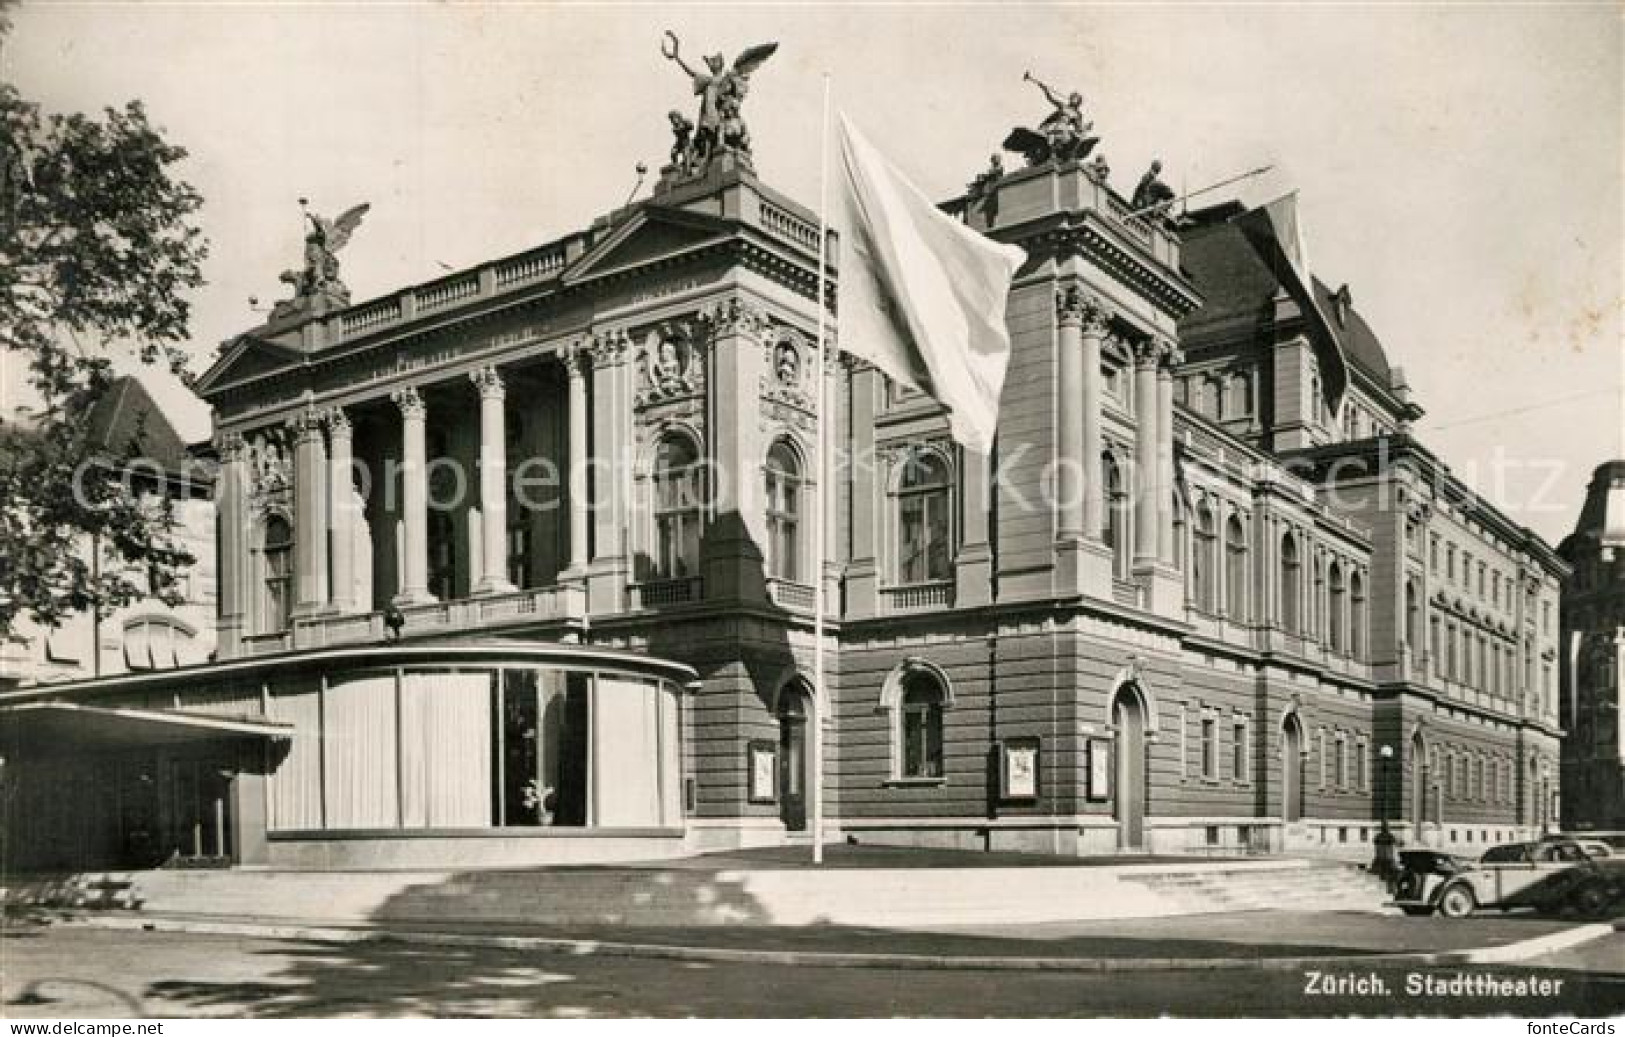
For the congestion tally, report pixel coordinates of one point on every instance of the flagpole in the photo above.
(820, 486)
(1188, 195)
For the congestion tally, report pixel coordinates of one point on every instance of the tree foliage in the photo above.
(97, 254)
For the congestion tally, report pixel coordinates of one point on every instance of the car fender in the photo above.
(1464, 879)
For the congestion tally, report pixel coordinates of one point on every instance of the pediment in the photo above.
(247, 357)
(651, 234)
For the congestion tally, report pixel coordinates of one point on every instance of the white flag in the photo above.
(922, 295)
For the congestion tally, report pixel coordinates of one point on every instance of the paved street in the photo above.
(57, 971)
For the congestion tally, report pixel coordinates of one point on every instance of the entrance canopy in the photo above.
(36, 724)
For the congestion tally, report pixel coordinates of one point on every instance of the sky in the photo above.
(1458, 166)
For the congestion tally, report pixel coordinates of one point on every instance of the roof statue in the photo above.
(983, 192)
(1152, 197)
(319, 280)
(720, 126)
(1063, 135)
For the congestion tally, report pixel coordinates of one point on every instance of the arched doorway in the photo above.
(1128, 807)
(1291, 769)
(794, 708)
(1419, 785)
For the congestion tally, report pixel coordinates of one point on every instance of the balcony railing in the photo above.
(787, 594)
(535, 604)
(657, 593)
(938, 594)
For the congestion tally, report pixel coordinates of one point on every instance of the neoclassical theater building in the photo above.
(1594, 652)
(516, 565)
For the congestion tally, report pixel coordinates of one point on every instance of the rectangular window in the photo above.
(1433, 553)
(1341, 773)
(1320, 736)
(1238, 761)
(1210, 748)
(1184, 742)
(1450, 562)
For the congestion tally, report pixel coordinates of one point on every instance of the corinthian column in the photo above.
(310, 513)
(342, 510)
(575, 366)
(493, 483)
(1071, 481)
(414, 577)
(1147, 453)
(1168, 358)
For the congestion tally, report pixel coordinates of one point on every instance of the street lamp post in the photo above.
(1383, 862)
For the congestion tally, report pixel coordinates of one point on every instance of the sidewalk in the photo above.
(1243, 940)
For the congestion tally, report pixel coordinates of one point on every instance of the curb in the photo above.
(1504, 954)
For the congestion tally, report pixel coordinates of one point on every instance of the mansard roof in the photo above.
(1602, 516)
(1240, 288)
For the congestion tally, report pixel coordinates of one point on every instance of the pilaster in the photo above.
(611, 417)
(231, 513)
(731, 551)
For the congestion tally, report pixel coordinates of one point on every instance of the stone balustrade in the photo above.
(537, 604)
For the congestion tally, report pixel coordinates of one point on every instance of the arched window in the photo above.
(783, 512)
(277, 608)
(677, 495)
(1203, 555)
(1291, 585)
(1235, 572)
(924, 540)
(1117, 517)
(919, 734)
(1335, 612)
(156, 643)
(1181, 549)
(1357, 637)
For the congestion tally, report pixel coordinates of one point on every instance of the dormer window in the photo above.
(1342, 303)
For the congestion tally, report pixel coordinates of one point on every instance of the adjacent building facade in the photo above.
(1594, 655)
(1208, 591)
(148, 634)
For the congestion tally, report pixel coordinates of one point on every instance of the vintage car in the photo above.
(1550, 874)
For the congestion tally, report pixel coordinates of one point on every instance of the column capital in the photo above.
(230, 446)
(1169, 355)
(410, 403)
(1147, 353)
(1076, 308)
(488, 382)
(735, 316)
(609, 347)
(306, 426)
(337, 422)
(576, 356)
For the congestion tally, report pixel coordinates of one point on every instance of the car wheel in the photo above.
(1592, 901)
(1457, 902)
(1417, 910)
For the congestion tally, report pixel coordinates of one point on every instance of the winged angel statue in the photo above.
(721, 90)
(320, 277)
